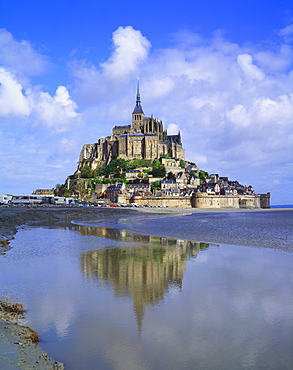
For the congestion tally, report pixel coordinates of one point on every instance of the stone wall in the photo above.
(164, 201)
(264, 200)
(204, 200)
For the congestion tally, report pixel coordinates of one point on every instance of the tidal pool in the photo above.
(104, 298)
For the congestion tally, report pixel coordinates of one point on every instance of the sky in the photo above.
(221, 72)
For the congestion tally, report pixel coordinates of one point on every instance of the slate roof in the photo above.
(125, 127)
(137, 109)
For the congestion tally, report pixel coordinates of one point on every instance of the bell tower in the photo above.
(137, 114)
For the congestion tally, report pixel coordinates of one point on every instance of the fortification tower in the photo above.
(137, 114)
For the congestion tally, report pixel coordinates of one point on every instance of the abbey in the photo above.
(164, 179)
(144, 138)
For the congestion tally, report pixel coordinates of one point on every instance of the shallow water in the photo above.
(109, 298)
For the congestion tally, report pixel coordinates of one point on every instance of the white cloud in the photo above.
(287, 33)
(250, 69)
(275, 61)
(130, 48)
(268, 111)
(18, 98)
(172, 129)
(264, 111)
(159, 87)
(56, 112)
(12, 100)
(20, 58)
(66, 145)
(93, 84)
(238, 115)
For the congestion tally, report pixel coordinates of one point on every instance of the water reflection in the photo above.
(144, 271)
(228, 307)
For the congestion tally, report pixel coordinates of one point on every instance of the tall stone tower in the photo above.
(137, 114)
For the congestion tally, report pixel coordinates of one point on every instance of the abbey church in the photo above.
(144, 138)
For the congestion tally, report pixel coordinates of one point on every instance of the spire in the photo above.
(138, 107)
(137, 92)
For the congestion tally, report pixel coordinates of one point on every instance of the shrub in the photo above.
(182, 163)
(10, 311)
(86, 172)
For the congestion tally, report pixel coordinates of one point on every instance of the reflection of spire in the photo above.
(139, 308)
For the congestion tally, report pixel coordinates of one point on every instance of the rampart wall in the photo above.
(164, 201)
(204, 200)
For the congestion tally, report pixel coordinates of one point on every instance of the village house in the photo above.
(132, 174)
(171, 165)
(139, 189)
(166, 184)
(193, 181)
(192, 167)
(114, 190)
(181, 179)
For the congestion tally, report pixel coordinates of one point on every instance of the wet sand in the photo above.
(12, 217)
(17, 349)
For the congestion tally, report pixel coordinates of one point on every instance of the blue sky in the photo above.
(221, 72)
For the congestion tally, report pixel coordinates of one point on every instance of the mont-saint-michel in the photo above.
(141, 164)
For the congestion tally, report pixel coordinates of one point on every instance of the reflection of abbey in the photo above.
(144, 138)
(145, 271)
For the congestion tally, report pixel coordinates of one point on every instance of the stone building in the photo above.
(144, 138)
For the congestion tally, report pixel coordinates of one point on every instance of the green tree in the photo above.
(100, 171)
(156, 185)
(86, 172)
(140, 163)
(158, 169)
(116, 166)
(203, 174)
(182, 163)
(57, 187)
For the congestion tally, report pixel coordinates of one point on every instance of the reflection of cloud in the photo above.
(123, 354)
(59, 313)
(237, 308)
